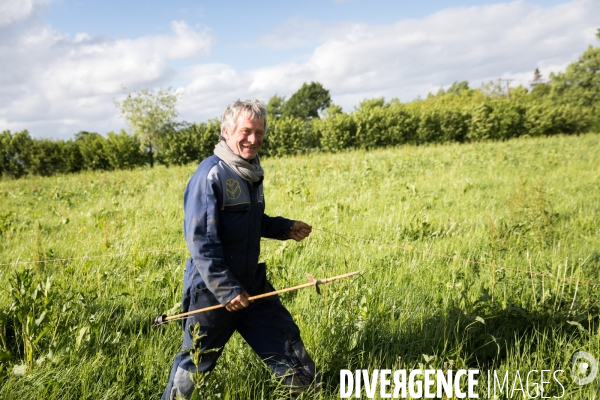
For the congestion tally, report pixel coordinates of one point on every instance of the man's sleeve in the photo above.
(276, 227)
(202, 200)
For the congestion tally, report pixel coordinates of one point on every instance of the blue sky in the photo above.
(67, 61)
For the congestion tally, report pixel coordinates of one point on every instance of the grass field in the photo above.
(481, 255)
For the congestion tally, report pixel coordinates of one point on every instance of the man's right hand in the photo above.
(238, 302)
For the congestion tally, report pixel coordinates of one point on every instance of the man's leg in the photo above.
(272, 333)
(214, 330)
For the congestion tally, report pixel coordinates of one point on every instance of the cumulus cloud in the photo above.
(54, 85)
(413, 57)
(57, 84)
(16, 10)
(298, 32)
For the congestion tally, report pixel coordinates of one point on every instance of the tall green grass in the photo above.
(480, 255)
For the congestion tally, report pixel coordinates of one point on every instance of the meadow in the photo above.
(482, 255)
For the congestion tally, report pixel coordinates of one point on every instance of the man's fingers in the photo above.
(238, 302)
(297, 236)
(234, 306)
(303, 232)
(300, 230)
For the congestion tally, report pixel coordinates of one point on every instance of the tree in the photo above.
(71, 157)
(46, 157)
(274, 106)
(150, 114)
(191, 143)
(15, 153)
(458, 87)
(92, 149)
(332, 110)
(122, 150)
(539, 88)
(537, 78)
(307, 102)
(369, 104)
(580, 83)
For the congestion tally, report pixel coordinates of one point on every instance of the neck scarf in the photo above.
(250, 171)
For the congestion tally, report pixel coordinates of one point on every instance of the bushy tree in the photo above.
(274, 106)
(580, 83)
(336, 133)
(15, 153)
(285, 135)
(369, 104)
(191, 143)
(122, 150)
(458, 87)
(333, 109)
(46, 157)
(549, 119)
(537, 78)
(307, 102)
(374, 124)
(71, 156)
(150, 114)
(93, 151)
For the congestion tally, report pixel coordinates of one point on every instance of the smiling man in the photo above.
(223, 223)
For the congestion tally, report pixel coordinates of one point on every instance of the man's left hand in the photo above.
(300, 230)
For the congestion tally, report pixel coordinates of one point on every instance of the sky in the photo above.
(64, 63)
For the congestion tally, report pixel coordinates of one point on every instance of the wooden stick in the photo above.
(164, 319)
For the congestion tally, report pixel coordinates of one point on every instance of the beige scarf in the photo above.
(248, 171)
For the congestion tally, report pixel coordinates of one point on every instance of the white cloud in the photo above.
(413, 57)
(298, 32)
(16, 10)
(209, 89)
(55, 85)
(61, 84)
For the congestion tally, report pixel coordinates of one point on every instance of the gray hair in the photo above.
(252, 109)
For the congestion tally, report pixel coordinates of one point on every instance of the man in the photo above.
(224, 221)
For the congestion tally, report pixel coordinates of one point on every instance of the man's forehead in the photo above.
(247, 117)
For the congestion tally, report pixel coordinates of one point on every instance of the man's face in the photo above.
(247, 138)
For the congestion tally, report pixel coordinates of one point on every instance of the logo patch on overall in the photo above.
(233, 189)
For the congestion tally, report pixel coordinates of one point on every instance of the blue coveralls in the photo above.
(223, 223)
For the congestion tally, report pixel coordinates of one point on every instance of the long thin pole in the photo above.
(164, 319)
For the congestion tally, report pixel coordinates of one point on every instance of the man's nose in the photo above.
(253, 138)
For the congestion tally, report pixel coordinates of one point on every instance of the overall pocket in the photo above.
(233, 224)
